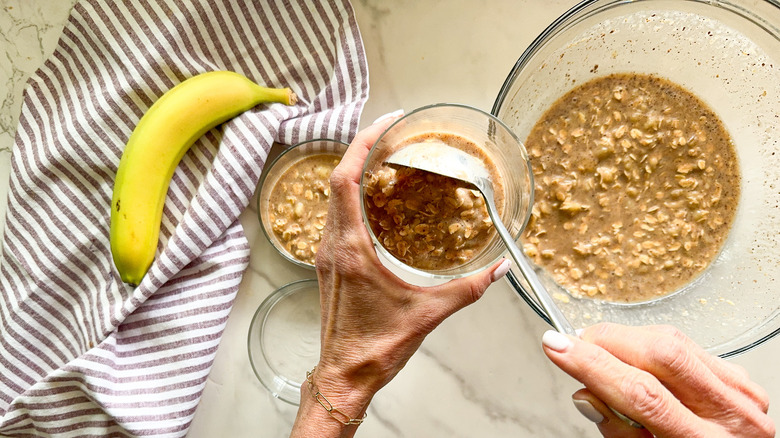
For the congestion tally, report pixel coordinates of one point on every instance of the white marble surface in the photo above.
(482, 373)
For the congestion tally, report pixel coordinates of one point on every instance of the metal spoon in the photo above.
(442, 159)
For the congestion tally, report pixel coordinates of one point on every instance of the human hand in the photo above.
(660, 378)
(371, 321)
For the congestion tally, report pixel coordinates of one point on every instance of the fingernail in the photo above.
(556, 341)
(502, 269)
(393, 114)
(579, 332)
(588, 411)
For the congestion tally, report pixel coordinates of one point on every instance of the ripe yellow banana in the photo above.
(157, 144)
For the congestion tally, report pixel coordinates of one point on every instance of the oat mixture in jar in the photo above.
(298, 205)
(637, 185)
(428, 221)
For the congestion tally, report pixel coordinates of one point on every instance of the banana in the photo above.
(155, 147)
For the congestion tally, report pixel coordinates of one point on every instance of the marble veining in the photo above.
(29, 31)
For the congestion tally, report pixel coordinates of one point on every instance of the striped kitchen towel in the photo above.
(81, 353)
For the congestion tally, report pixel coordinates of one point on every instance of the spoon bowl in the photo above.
(442, 159)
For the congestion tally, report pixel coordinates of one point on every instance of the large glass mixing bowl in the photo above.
(728, 54)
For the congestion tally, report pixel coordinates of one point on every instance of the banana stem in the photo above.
(280, 95)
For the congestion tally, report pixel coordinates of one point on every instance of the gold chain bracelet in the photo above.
(334, 412)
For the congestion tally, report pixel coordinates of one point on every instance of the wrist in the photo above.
(344, 391)
(330, 405)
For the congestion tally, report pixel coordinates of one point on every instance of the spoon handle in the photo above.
(540, 292)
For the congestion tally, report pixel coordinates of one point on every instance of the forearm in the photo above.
(344, 402)
(372, 321)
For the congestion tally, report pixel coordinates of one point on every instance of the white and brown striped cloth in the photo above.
(81, 353)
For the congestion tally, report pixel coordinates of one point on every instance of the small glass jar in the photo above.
(270, 179)
(496, 141)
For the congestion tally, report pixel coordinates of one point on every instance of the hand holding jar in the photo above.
(372, 321)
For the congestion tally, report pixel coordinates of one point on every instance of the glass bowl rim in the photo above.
(466, 107)
(577, 12)
(267, 170)
(260, 315)
(584, 6)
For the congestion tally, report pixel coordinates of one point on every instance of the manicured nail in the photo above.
(393, 114)
(556, 341)
(502, 269)
(588, 411)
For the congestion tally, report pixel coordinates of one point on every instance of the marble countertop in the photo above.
(482, 373)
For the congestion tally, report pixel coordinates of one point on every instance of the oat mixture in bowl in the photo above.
(429, 221)
(434, 226)
(294, 194)
(637, 184)
(725, 55)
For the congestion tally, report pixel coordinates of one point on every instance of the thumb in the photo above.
(351, 166)
(609, 424)
(459, 293)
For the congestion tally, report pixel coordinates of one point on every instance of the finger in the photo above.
(691, 374)
(719, 366)
(344, 205)
(392, 115)
(454, 295)
(609, 424)
(737, 369)
(732, 375)
(351, 166)
(633, 392)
